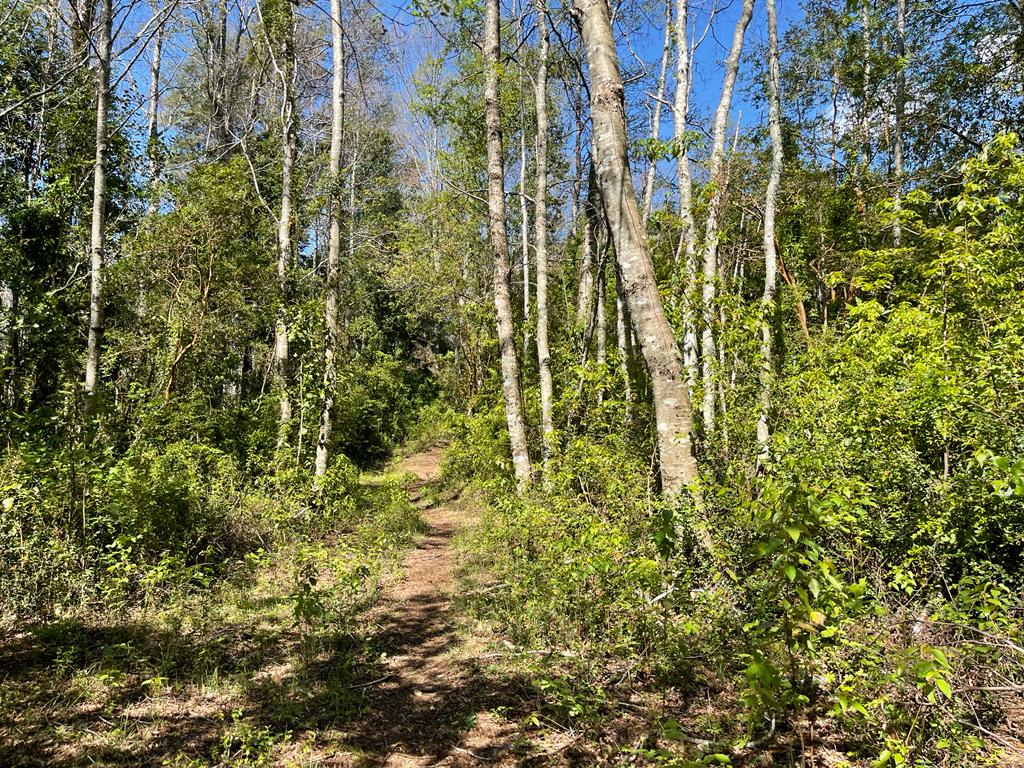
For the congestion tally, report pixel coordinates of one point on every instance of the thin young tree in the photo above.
(332, 287)
(674, 419)
(770, 200)
(541, 234)
(282, 55)
(686, 255)
(97, 241)
(900, 119)
(657, 101)
(716, 180)
(499, 245)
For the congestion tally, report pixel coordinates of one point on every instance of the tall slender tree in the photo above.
(332, 287)
(770, 201)
(541, 234)
(716, 200)
(281, 19)
(97, 242)
(498, 234)
(686, 254)
(900, 118)
(657, 101)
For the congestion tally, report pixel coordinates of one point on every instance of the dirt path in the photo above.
(435, 705)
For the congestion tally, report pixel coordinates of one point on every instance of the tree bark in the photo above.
(153, 109)
(541, 236)
(97, 245)
(901, 102)
(624, 338)
(499, 244)
(770, 260)
(659, 97)
(716, 179)
(657, 343)
(289, 138)
(864, 152)
(331, 291)
(524, 208)
(687, 249)
(585, 297)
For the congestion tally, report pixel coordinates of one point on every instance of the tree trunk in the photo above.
(687, 250)
(716, 179)
(864, 152)
(289, 138)
(770, 260)
(901, 102)
(585, 297)
(657, 344)
(541, 236)
(334, 244)
(659, 97)
(153, 110)
(624, 338)
(97, 245)
(524, 208)
(499, 244)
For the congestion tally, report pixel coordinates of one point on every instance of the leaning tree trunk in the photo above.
(654, 334)
(331, 291)
(716, 178)
(770, 260)
(687, 250)
(499, 244)
(541, 236)
(97, 245)
(659, 98)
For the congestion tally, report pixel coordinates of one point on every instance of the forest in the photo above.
(512, 382)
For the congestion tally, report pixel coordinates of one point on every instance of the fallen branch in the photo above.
(372, 682)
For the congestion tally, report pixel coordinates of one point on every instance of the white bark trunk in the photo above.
(97, 245)
(659, 97)
(771, 195)
(499, 244)
(541, 236)
(687, 249)
(331, 292)
(901, 101)
(716, 179)
(657, 343)
(153, 109)
(289, 139)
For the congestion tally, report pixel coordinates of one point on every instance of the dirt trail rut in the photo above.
(434, 704)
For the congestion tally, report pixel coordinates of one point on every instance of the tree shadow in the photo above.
(134, 692)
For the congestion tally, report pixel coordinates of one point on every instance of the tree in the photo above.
(541, 234)
(278, 17)
(331, 288)
(654, 334)
(770, 202)
(716, 200)
(97, 245)
(499, 245)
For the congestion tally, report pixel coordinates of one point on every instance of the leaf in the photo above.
(791, 572)
(814, 587)
(943, 685)
(794, 532)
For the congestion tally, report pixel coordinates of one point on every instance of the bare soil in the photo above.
(435, 705)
